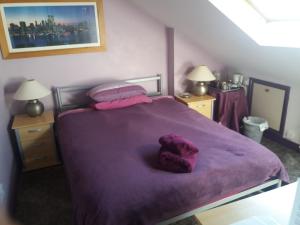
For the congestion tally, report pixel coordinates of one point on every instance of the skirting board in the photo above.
(281, 140)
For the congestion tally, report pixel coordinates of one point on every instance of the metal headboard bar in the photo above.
(59, 91)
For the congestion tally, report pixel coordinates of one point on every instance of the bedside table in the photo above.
(35, 139)
(230, 107)
(202, 104)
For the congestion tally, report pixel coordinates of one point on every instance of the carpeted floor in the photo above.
(289, 157)
(44, 199)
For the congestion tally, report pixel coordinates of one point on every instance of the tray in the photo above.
(221, 90)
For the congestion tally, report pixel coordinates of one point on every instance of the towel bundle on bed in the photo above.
(177, 154)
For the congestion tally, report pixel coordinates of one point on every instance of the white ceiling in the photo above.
(214, 33)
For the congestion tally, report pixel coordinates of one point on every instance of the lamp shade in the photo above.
(201, 73)
(30, 90)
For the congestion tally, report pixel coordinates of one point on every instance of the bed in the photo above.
(110, 159)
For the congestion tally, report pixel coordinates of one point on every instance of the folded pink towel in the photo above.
(177, 154)
(177, 145)
(175, 163)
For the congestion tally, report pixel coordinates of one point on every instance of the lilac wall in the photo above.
(6, 156)
(187, 56)
(136, 46)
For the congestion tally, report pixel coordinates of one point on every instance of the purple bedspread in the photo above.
(111, 162)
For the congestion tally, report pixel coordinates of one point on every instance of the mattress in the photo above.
(111, 161)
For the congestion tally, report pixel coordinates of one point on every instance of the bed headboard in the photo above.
(62, 105)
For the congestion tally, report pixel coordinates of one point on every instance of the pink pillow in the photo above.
(117, 93)
(122, 103)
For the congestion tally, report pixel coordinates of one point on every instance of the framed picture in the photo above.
(40, 28)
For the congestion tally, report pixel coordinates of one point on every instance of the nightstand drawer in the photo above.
(34, 133)
(202, 104)
(40, 162)
(34, 148)
(38, 154)
(203, 107)
(36, 140)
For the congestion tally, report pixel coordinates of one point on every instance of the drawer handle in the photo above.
(267, 90)
(38, 145)
(200, 106)
(34, 130)
(39, 158)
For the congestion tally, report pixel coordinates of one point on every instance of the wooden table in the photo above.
(202, 104)
(277, 203)
(36, 140)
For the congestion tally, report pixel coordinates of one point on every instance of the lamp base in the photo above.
(200, 89)
(34, 108)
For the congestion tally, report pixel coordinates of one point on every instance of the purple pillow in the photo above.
(107, 86)
(122, 103)
(113, 94)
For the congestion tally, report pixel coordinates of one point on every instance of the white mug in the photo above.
(236, 78)
(241, 79)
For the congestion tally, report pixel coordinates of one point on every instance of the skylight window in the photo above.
(267, 22)
(277, 10)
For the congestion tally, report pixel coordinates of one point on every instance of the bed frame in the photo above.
(275, 183)
(62, 106)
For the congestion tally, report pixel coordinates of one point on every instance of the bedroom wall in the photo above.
(187, 56)
(136, 46)
(6, 155)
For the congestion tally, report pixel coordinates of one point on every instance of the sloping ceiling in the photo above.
(205, 25)
(218, 36)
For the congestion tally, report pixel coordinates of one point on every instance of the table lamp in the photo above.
(200, 74)
(31, 91)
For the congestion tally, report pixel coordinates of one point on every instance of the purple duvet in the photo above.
(111, 162)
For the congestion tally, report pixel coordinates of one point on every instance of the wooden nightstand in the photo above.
(35, 139)
(202, 104)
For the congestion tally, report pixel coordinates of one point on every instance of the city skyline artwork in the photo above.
(42, 26)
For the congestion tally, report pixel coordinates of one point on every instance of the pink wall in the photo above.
(187, 56)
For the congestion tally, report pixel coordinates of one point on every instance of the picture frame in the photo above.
(32, 28)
